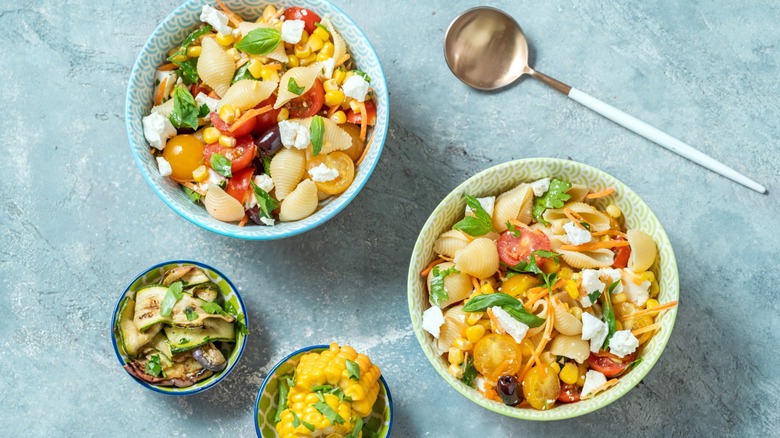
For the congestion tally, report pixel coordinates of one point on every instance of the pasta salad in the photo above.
(541, 295)
(263, 119)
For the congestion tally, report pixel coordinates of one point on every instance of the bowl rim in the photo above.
(319, 347)
(524, 414)
(173, 205)
(216, 379)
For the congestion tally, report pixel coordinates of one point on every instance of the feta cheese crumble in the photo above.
(432, 321)
(292, 31)
(203, 99)
(164, 166)
(623, 343)
(355, 87)
(264, 182)
(214, 178)
(169, 77)
(294, 135)
(636, 293)
(509, 325)
(327, 68)
(614, 275)
(267, 221)
(157, 130)
(577, 235)
(488, 203)
(216, 19)
(593, 381)
(590, 283)
(541, 186)
(323, 173)
(594, 330)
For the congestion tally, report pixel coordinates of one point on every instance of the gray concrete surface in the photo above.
(77, 221)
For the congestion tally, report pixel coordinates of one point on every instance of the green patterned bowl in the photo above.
(380, 423)
(229, 294)
(503, 177)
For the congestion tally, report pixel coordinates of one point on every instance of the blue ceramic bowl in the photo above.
(380, 422)
(169, 34)
(229, 294)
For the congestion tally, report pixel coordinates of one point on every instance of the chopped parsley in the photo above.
(190, 313)
(154, 367)
(553, 198)
(212, 308)
(438, 293)
(531, 266)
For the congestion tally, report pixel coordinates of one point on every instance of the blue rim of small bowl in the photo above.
(303, 350)
(217, 378)
(205, 225)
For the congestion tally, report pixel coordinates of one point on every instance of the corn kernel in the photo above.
(267, 74)
(227, 141)
(211, 135)
(181, 57)
(268, 13)
(321, 33)
(487, 289)
(225, 40)
(339, 117)
(648, 276)
(619, 298)
(455, 356)
(652, 303)
(569, 373)
(200, 173)
(565, 273)
(194, 51)
(334, 97)
(547, 357)
(173, 50)
(302, 50)
(455, 371)
(577, 312)
(485, 322)
(618, 326)
(339, 75)
(328, 49)
(330, 85)
(474, 318)
(581, 370)
(614, 211)
(555, 366)
(354, 105)
(654, 289)
(462, 344)
(571, 289)
(314, 43)
(321, 57)
(284, 114)
(304, 38)
(311, 59)
(550, 265)
(292, 61)
(235, 54)
(255, 68)
(228, 113)
(475, 333)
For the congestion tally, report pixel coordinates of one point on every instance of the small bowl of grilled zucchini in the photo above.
(179, 327)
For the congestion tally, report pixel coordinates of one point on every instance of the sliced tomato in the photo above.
(196, 89)
(357, 118)
(224, 128)
(266, 120)
(622, 254)
(238, 186)
(606, 364)
(514, 249)
(240, 156)
(569, 393)
(307, 15)
(309, 104)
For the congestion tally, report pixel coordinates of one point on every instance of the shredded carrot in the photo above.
(574, 217)
(606, 192)
(342, 60)
(249, 115)
(273, 67)
(609, 232)
(653, 310)
(494, 322)
(645, 337)
(213, 94)
(159, 94)
(363, 121)
(430, 266)
(608, 384)
(595, 245)
(548, 328)
(151, 150)
(645, 329)
(168, 66)
(333, 110)
(363, 155)
(539, 292)
(475, 283)
(231, 15)
(244, 221)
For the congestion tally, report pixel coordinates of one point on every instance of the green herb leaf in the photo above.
(512, 229)
(241, 74)
(608, 313)
(469, 372)
(362, 73)
(353, 370)
(549, 280)
(321, 388)
(481, 303)
(188, 70)
(356, 431)
(293, 87)
(477, 225)
(154, 367)
(183, 340)
(297, 422)
(613, 286)
(172, 296)
(189, 40)
(630, 367)
(281, 401)
(531, 266)
(212, 308)
(260, 41)
(267, 164)
(185, 112)
(593, 296)
(329, 413)
(438, 293)
(586, 225)
(193, 195)
(221, 165)
(290, 381)
(204, 110)
(317, 130)
(266, 203)
(553, 198)
(190, 313)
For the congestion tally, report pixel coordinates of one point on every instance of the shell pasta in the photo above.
(541, 296)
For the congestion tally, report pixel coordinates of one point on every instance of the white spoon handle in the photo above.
(662, 139)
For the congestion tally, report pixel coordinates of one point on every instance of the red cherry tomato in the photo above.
(515, 249)
(307, 15)
(240, 156)
(622, 254)
(238, 185)
(603, 363)
(357, 118)
(224, 128)
(196, 89)
(309, 104)
(266, 120)
(569, 393)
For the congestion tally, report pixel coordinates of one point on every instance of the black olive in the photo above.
(507, 389)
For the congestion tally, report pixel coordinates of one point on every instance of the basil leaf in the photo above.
(189, 40)
(362, 73)
(281, 403)
(154, 367)
(212, 308)
(477, 225)
(266, 203)
(188, 70)
(356, 431)
(297, 422)
(260, 41)
(190, 313)
(553, 198)
(267, 165)
(481, 303)
(549, 280)
(353, 370)
(316, 130)
(329, 413)
(469, 373)
(185, 112)
(547, 255)
(608, 313)
(438, 293)
(293, 87)
(193, 195)
(613, 286)
(241, 74)
(173, 295)
(204, 110)
(221, 165)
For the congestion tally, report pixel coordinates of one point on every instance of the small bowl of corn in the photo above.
(324, 390)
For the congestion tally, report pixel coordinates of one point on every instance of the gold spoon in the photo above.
(486, 49)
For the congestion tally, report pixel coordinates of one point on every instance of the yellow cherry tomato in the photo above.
(358, 145)
(340, 162)
(541, 387)
(497, 355)
(184, 153)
